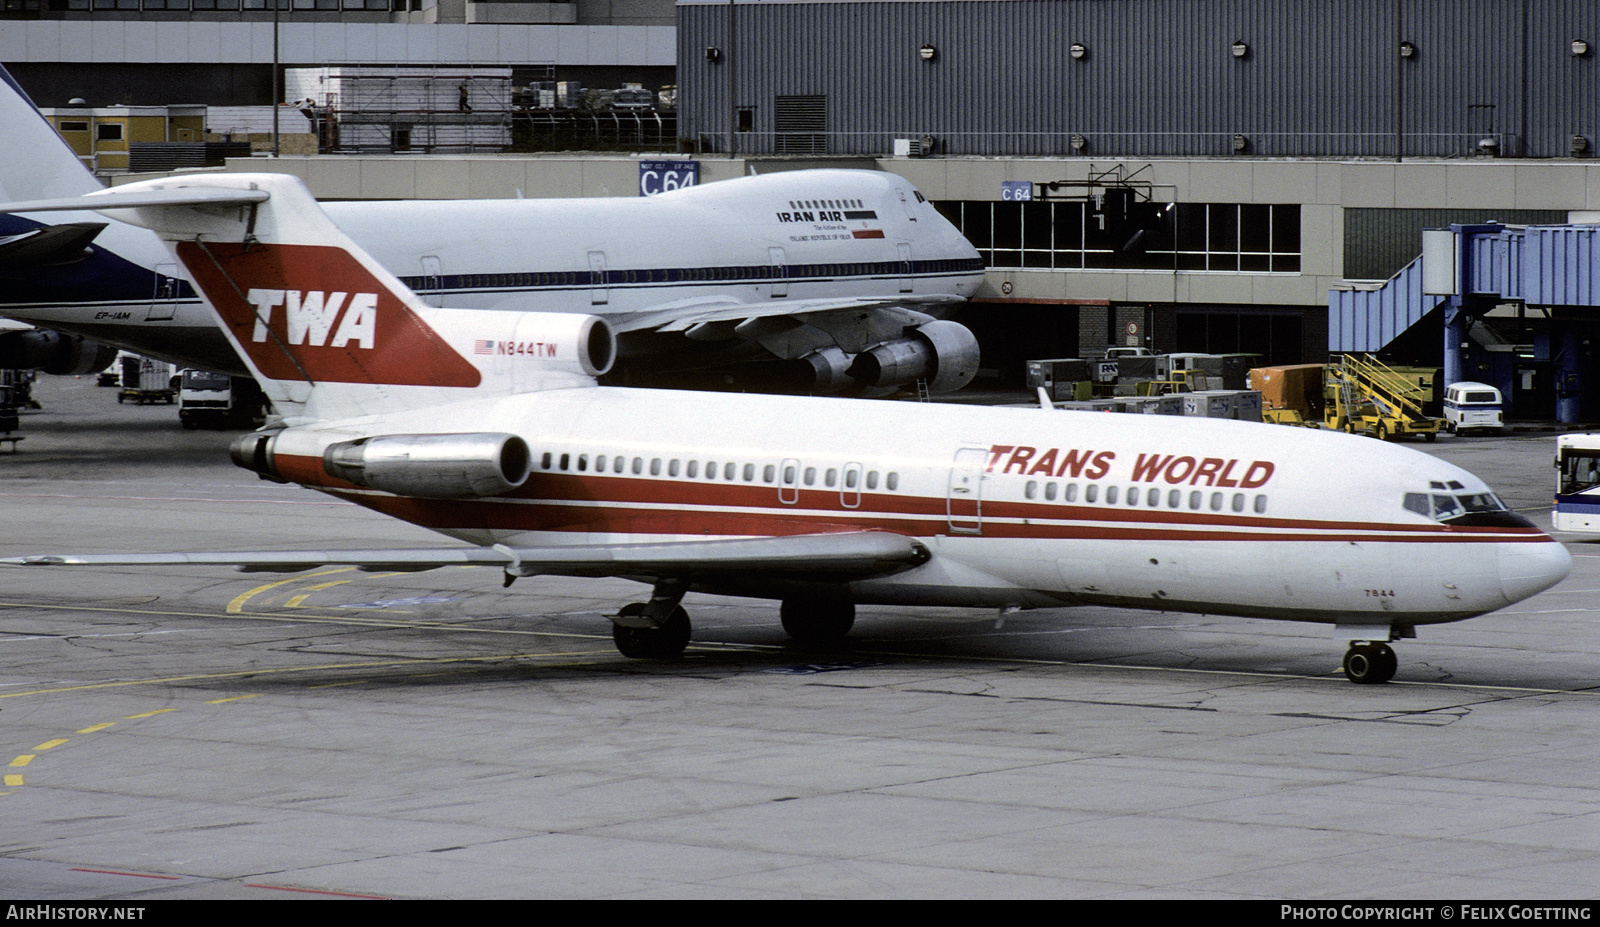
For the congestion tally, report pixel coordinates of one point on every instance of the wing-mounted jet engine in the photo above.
(942, 352)
(53, 352)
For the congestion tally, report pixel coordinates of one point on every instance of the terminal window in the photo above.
(1102, 235)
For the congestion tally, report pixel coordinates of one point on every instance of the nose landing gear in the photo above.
(1369, 662)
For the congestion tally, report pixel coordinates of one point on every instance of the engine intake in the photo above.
(448, 466)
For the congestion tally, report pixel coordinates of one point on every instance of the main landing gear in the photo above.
(659, 629)
(1370, 662)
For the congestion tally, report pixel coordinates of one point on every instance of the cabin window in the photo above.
(1111, 495)
(600, 463)
(831, 479)
(1261, 505)
(810, 476)
(566, 461)
(729, 470)
(544, 462)
(1071, 494)
(851, 478)
(1194, 500)
(693, 469)
(1175, 499)
(1030, 490)
(672, 467)
(655, 466)
(749, 473)
(892, 482)
(1050, 490)
(872, 479)
(1238, 502)
(638, 465)
(1133, 495)
(1216, 502)
(769, 473)
(583, 462)
(1152, 498)
(1091, 492)
(711, 469)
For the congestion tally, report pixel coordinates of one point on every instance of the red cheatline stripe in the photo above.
(646, 521)
(629, 505)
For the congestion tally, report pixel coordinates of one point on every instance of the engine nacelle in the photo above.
(942, 352)
(526, 345)
(825, 370)
(53, 352)
(449, 466)
(254, 453)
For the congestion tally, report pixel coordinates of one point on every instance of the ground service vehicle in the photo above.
(1577, 483)
(1365, 396)
(1470, 406)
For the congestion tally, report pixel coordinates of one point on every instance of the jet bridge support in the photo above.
(1547, 273)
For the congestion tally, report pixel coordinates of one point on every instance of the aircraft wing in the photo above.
(840, 556)
(854, 323)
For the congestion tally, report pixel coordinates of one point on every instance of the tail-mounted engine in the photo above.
(527, 346)
(448, 466)
(457, 466)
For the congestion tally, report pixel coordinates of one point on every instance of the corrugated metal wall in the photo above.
(1159, 77)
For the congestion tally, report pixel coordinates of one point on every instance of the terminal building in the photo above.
(1229, 176)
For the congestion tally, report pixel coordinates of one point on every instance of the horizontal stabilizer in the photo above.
(114, 198)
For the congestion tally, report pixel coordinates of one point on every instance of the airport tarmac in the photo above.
(204, 733)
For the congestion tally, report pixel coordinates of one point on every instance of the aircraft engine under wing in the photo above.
(839, 343)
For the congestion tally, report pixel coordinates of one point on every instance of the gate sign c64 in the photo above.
(664, 176)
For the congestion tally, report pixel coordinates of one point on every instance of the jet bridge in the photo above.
(1520, 308)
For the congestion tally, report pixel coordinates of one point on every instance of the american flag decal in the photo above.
(482, 347)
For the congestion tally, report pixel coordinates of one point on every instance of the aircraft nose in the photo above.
(1529, 569)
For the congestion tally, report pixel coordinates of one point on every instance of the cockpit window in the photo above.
(1482, 509)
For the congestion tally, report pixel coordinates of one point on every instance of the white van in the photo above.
(1472, 406)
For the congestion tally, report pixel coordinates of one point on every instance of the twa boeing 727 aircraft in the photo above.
(488, 427)
(829, 280)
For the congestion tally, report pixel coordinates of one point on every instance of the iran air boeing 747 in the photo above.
(829, 280)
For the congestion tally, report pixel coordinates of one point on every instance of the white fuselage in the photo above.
(1022, 508)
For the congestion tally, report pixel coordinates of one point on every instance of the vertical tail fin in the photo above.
(35, 163)
(327, 330)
